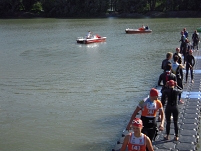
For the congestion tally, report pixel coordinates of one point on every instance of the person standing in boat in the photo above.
(136, 140)
(171, 107)
(149, 107)
(146, 27)
(89, 35)
(190, 62)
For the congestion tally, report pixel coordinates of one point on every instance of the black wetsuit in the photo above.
(190, 61)
(166, 76)
(164, 63)
(177, 70)
(195, 38)
(182, 43)
(171, 108)
(179, 57)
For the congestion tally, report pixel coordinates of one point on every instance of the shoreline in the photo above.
(150, 14)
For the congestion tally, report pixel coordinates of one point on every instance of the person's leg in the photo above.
(192, 75)
(168, 121)
(175, 119)
(180, 84)
(187, 68)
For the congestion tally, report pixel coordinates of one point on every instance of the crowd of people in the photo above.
(145, 128)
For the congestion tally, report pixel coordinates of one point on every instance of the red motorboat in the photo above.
(93, 39)
(137, 31)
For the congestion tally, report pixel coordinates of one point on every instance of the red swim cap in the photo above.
(171, 83)
(153, 92)
(137, 122)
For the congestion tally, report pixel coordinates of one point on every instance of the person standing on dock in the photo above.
(196, 39)
(149, 108)
(179, 55)
(171, 107)
(166, 76)
(166, 61)
(177, 69)
(185, 32)
(136, 141)
(190, 62)
(182, 40)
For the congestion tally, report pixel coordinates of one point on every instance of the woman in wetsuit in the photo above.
(172, 107)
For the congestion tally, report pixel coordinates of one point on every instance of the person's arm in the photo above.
(193, 59)
(149, 144)
(162, 64)
(133, 117)
(161, 126)
(125, 143)
(159, 80)
(163, 97)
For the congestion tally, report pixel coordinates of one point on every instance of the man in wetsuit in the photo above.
(195, 39)
(182, 40)
(190, 62)
(166, 76)
(149, 108)
(171, 107)
(166, 61)
(187, 47)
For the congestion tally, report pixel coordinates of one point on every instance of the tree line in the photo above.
(93, 8)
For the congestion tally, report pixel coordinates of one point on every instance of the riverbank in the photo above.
(158, 14)
(150, 14)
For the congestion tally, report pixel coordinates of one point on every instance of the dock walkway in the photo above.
(189, 117)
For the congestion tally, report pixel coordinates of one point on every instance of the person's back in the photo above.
(171, 108)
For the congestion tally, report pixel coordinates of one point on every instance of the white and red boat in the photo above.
(137, 31)
(93, 39)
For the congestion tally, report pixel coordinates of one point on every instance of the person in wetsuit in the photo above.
(186, 49)
(177, 69)
(166, 76)
(190, 62)
(136, 140)
(166, 61)
(182, 40)
(149, 108)
(195, 39)
(171, 107)
(179, 55)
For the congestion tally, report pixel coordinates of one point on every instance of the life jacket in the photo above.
(137, 143)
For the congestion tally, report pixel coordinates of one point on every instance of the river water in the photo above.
(57, 95)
